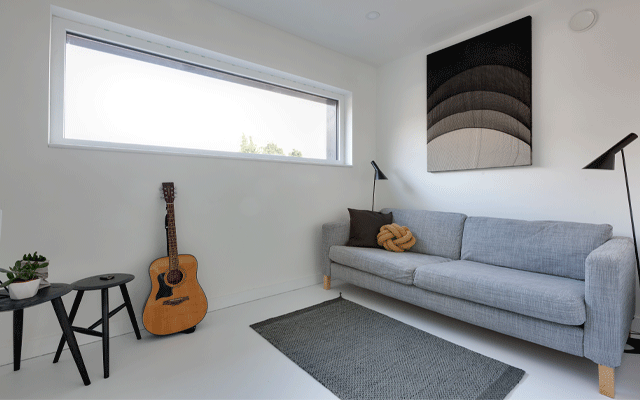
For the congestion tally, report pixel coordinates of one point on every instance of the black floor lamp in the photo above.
(4, 295)
(607, 161)
(377, 176)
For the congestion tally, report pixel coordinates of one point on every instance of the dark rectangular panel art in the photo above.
(479, 101)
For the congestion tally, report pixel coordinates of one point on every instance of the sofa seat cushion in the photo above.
(542, 296)
(398, 267)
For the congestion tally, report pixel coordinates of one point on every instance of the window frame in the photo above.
(66, 21)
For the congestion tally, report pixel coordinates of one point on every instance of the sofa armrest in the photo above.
(333, 234)
(610, 297)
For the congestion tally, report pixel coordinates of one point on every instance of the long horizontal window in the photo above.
(123, 97)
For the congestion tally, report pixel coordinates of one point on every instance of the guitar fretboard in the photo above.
(172, 241)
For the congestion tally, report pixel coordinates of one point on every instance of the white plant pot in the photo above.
(24, 290)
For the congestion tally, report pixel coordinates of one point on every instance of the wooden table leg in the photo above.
(105, 331)
(61, 313)
(18, 317)
(72, 316)
(132, 315)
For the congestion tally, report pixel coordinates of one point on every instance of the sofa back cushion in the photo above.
(548, 247)
(437, 233)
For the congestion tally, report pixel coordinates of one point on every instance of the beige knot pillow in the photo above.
(396, 238)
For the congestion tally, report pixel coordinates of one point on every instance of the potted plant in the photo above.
(43, 272)
(24, 278)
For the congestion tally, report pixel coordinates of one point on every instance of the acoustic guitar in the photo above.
(177, 302)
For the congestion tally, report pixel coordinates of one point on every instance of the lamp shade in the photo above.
(379, 174)
(608, 159)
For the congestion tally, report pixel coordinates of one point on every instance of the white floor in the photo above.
(225, 359)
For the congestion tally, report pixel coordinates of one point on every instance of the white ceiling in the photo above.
(404, 26)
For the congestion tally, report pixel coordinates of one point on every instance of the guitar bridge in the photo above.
(175, 302)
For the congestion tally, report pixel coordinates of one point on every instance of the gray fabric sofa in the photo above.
(568, 286)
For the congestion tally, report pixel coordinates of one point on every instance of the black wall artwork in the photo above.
(479, 101)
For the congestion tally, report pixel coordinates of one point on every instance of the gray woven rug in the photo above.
(358, 353)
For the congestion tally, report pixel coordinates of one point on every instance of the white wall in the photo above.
(254, 226)
(586, 97)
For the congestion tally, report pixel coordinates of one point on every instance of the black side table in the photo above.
(95, 283)
(52, 293)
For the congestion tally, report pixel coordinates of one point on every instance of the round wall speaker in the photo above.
(583, 20)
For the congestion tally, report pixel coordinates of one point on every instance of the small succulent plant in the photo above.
(34, 257)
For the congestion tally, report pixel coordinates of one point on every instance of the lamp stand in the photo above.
(373, 200)
(635, 343)
(633, 229)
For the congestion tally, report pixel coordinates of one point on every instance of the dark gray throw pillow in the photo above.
(364, 227)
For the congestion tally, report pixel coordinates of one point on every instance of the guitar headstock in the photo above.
(168, 191)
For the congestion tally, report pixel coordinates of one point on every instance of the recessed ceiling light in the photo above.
(373, 15)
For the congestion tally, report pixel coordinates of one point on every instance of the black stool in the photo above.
(95, 283)
(52, 293)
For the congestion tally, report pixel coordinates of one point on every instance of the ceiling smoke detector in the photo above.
(372, 15)
(583, 20)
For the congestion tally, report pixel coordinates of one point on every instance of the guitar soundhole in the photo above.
(174, 277)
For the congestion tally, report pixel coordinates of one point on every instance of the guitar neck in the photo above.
(172, 241)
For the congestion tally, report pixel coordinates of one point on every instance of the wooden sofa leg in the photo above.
(607, 381)
(327, 282)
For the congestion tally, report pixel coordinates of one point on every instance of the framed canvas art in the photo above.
(479, 101)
